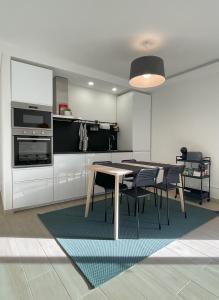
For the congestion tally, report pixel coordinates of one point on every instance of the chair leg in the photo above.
(112, 203)
(143, 206)
(161, 198)
(155, 199)
(105, 207)
(137, 215)
(127, 199)
(168, 213)
(92, 203)
(135, 207)
(185, 213)
(158, 208)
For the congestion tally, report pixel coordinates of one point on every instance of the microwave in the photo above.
(31, 116)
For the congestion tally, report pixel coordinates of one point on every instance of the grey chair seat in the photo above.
(141, 192)
(111, 188)
(164, 187)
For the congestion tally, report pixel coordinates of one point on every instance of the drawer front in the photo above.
(92, 157)
(67, 165)
(118, 157)
(32, 193)
(36, 173)
(71, 187)
(142, 156)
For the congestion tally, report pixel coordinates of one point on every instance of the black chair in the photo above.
(171, 179)
(145, 178)
(107, 182)
(128, 177)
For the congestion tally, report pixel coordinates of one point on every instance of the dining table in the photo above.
(118, 170)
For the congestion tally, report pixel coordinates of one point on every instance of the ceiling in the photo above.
(108, 35)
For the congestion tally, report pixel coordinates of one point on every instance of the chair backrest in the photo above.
(104, 180)
(145, 178)
(171, 175)
(129, 160)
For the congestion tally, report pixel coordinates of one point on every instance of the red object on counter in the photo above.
(62, 107)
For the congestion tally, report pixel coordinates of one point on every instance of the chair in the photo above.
(128, 177)
(170, 182)
(107, 182)
(145, 178)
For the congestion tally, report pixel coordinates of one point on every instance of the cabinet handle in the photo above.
(33, 139)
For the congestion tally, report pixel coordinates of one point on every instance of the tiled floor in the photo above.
(33, 266)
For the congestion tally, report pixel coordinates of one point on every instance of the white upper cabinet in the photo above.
(134, 119)
(31, 84)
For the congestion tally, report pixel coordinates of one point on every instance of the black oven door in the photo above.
(32, 151)
(31, 118)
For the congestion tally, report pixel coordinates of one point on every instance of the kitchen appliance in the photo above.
(32, 135)
(194, 156)
(30, 151)
(30, 116)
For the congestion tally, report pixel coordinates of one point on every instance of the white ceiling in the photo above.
(108, 35)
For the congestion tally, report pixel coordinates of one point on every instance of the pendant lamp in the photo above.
(147, 72)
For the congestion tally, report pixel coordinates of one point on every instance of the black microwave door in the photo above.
(31, 118)
(32, 151)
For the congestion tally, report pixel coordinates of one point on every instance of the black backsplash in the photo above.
(66, 138)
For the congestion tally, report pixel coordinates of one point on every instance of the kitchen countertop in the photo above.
(88, 152)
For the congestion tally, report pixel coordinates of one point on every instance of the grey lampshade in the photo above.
(147, 72)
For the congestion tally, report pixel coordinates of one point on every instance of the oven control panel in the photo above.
(32, 131)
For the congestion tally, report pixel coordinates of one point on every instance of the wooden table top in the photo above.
(118, 169)
(109, 170)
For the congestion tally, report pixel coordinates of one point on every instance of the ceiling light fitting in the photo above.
(147, 72)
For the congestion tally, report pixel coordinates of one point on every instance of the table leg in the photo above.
(116, 209)
(181, 194)
(89, 192)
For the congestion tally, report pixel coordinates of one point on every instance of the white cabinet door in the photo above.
(124, 119)
(118, 157)
(23, 174)
(141, 122)
(32, 186)
(134, 119)
(31, 84)
(142, 156)
(69, 176)
(92, 157)
(32, 193)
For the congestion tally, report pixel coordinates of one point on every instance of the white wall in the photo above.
(0, 122)
(186, 113)
(5, 128)
(92, 105)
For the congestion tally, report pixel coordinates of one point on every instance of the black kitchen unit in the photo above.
(66, 137)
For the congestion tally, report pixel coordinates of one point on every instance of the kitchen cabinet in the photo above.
(118, 157)
(32, 186)
(142, 156)
(31, 84)
(69, 176)
(32, 193)
(134, 119)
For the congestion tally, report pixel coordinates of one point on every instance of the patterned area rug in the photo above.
(90, 245)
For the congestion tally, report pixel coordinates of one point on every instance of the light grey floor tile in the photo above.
(48, 286)
(193, 291)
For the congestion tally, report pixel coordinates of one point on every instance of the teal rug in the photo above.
(89, 242)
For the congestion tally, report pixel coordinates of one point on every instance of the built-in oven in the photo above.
(31, 116)
(32, 150)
